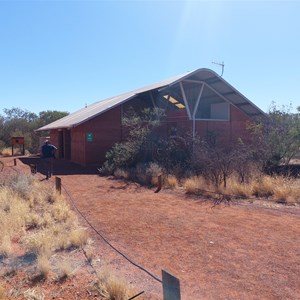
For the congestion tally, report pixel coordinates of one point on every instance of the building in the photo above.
(200, 101)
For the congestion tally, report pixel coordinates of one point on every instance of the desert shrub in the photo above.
(198, 185)
(111, 287)
(107, 168)
(65, 268)
(34, 294)
(121, 174)
(170, 181)
(5, 245)
(2, 145)
(43, 265)
(139, 174)
(263, 187)
(40, 242)
(154, 169)
(176, 151)
(140, 141)
(78, 237)
(13, 212)
(238, 189)
(286, 190)
(22, 184)
(5, 151)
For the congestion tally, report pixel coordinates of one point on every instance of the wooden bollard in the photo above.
(58, 184)
(15, 161)
(159, 183)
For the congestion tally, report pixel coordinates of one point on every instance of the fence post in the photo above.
(159, 183)
(58, 184)
(15, 161)
(171, 286)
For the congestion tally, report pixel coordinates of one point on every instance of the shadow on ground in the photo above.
(60, 167)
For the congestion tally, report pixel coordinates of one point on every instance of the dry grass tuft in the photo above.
(263, 187)
(199, 186)
(78, 237)
(238, 189)
(286, 190)
(111, 287)
(5, 246)
(171, 182)
(66, 269)
(43, 266)
(276, 188)
(6, 151)
(34, 294)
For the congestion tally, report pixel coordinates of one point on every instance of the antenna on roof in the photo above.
(221, 65)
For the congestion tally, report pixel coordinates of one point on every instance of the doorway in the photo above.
(64, 144)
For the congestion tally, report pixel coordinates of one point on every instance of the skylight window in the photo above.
(179, 105)
(174, 101)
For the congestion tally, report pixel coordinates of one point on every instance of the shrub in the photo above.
(66, 269)
(111, 287)
(34, 294)
(263, 187)
(22, 184)
(239, 189)
(121, 174)
(5, 246)
(170, 181)
(78, 237)
(43, 265)
(195, 184)
(6, 151)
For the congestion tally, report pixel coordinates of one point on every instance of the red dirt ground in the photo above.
(236, 251)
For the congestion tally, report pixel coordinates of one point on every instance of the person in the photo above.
(48, 154)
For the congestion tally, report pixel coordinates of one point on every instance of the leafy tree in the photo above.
(140, 143)
(49, 116)
(277, 139)
(18, 122)
(18, 113)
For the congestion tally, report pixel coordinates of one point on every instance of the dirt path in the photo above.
(227, 252)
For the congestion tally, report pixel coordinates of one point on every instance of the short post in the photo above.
(171, 286)
(58, 184)
(15, 161)
(159, 183)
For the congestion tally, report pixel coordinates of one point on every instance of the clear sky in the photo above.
(61, 55)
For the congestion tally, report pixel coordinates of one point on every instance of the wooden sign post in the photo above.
(18, 140)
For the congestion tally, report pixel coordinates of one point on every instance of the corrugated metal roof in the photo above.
(95, 109)
(207, 76)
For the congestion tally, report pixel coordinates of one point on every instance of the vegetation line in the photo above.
(106, 241)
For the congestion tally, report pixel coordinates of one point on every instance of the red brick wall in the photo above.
(106, 131)
(225, 131)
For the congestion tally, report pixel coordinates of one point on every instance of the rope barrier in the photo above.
(107, 242)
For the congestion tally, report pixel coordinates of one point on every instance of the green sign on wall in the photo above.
(89, 136)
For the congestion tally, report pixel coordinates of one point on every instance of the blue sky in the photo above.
(62, 55)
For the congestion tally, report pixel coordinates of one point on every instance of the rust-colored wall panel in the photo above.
(104, 130)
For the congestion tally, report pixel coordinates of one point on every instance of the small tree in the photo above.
(140, 143)
(276, 139)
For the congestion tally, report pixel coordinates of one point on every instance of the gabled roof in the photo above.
(206, 76)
